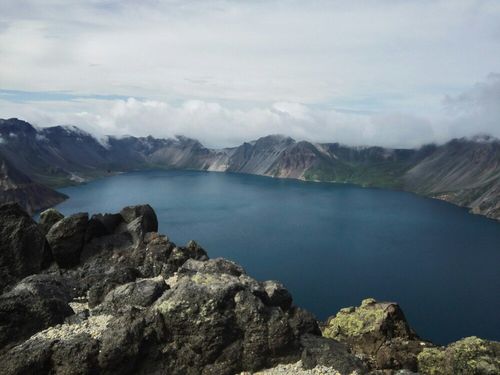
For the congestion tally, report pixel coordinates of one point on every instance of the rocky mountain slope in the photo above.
(17, 187)
(110, 295)
(463, 171)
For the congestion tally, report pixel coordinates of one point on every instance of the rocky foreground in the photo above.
(110, 295)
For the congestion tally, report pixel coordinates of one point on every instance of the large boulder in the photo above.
(218, 322)
(140, 220)
(378, 332)
(65, 349)
(140, 293)
(48, 218)
(66, 239)
(35, 303)
(22, 245)
(102, 283)
(109, 221)
(470, 355)
(320, 351)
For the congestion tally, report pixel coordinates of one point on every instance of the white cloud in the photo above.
(261, 51)
(475, 111)
(226, 71)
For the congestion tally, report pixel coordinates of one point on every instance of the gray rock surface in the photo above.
(23, 248)
(66, 239)
(35, 303)
(48, 218)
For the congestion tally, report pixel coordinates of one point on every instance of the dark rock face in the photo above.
(66, 239)
(331, 353)
(109, 221)
(139, 293)
(277, 295)
(149, 221)
(35, 303)
(100, 288)
(22, 245)
(379, 332)
(219, 322)
(48, 218)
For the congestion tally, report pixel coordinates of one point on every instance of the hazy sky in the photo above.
(386, 72)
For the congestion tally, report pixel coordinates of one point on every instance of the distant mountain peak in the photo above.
(66, 129)
(484, 138)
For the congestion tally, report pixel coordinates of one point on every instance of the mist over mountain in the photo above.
(463, 171)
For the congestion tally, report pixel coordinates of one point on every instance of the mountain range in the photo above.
(34, 161)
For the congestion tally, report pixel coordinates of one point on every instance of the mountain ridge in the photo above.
(462, 171)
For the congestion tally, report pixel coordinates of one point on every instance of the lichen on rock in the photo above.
(470, 355)
(379, 332)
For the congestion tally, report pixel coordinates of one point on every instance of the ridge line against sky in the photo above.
(389, 73)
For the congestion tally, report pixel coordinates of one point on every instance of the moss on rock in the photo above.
(378, 332)
(356, 321)
(469, 356)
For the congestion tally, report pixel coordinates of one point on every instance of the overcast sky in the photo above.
(388, 72)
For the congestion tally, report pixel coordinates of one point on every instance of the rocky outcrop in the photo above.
(66, 239)
(23, 248)
(378, 332)
(48, 218)
(471, 355)
(35, 303)
(124, 299)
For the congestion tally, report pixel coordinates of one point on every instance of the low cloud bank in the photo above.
(475, 111)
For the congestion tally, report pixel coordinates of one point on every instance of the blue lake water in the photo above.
(331, 244)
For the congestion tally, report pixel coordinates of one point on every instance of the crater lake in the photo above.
(332, 245)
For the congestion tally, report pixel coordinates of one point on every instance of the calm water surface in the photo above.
(331, 245)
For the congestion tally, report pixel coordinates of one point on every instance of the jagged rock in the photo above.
(30, 358)
(22, 245)
(63, 349)
(470, 355)
(277, 295)
(213, 266)
(195, 251)
(141, 293)
(379, 332)
(121, 344)
(110, 221)
(157, 256)
(95, 229)
(35, 303)
(48, 218)
(146, 215)
(218, 324)
(103, 284)
(78, 355)
(327, 352)
(66, 239)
